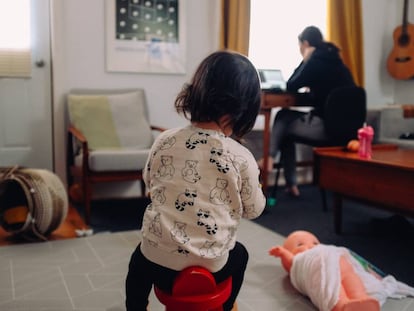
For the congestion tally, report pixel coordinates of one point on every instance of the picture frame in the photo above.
(145, 36)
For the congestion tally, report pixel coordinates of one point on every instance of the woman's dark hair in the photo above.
(313, 35)
(225, 83)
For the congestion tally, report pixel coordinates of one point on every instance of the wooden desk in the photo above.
(386, 180)
(269, 101)
(408, 111)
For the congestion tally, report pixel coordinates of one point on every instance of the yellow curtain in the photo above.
(344, 28)
(235, 25)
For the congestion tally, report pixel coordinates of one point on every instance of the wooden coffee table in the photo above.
(385, 181)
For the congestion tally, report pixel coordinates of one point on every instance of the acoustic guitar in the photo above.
(400, 62)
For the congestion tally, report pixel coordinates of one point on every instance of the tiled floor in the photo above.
(87, 274)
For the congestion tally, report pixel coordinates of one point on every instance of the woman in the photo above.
(320, 71)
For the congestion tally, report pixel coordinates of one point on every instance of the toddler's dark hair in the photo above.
(225, 83)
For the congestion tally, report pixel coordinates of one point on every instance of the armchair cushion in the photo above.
(88, 113)
(111, 121)
(126, 159)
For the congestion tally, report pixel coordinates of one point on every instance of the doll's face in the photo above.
(300, 241)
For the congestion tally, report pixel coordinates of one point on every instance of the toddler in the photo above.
(201, 182)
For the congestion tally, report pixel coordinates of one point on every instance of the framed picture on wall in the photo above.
(145, 36)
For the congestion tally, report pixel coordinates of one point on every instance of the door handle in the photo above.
(40, 63)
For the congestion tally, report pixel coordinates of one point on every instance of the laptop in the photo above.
(272, 80)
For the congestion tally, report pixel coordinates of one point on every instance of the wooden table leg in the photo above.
(266, 141)
(337, 212)
(324, 200)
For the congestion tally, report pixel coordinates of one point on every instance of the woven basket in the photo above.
(33, 202)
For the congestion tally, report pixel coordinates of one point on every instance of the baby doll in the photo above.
(326, 274)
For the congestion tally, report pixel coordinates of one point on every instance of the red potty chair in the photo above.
(195, 289)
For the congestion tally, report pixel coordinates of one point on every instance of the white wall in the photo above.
(78, 48)
(380, 18)
(78, 58)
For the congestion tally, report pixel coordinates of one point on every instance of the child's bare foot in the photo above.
(293, 191)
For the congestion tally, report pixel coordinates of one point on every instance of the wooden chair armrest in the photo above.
(77, 134)
(157, 128)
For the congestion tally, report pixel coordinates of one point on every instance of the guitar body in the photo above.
(400, 62)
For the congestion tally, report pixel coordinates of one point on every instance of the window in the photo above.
(15, 54)
(274, 29)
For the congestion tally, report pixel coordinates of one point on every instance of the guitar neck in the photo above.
(405, 17)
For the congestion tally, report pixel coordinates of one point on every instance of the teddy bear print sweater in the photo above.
(201, 184)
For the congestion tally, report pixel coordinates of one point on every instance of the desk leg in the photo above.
(266, 141)
(324, 200)
(337, 213)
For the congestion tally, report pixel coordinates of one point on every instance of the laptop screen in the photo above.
(272, 79)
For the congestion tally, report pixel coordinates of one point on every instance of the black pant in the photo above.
(290, 127)
(142, 274)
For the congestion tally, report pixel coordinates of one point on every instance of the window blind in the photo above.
(15, 63)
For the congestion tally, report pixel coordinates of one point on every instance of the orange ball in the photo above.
(353, 145)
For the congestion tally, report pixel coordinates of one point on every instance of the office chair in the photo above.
(345, 113)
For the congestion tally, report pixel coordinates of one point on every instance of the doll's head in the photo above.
(300, 241)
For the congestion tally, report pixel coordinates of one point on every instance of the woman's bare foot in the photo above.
(293, 191)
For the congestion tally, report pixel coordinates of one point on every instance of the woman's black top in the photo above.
(323, 72)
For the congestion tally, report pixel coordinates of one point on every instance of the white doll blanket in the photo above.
(316, 274)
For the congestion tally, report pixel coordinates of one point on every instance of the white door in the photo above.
(25, 103)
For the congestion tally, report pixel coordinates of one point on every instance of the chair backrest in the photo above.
(345, 113)
(111, 118)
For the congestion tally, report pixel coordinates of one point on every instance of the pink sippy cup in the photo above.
(365, 136)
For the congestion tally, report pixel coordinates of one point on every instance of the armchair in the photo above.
(108, 139)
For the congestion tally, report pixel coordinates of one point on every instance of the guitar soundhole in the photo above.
(403, 59)
(404, 39)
